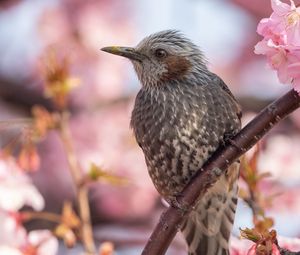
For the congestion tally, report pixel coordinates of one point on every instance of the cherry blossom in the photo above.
(7, 250)
(38, 242)
(14, 239)
(16, 189)
(277, 57)
(239, 246)
(12, 232)
(245, 247)
(281, 42)
(42, 242)
(283, 26)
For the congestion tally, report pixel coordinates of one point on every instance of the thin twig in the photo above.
(16, 122)
(82, 190)
(32, 215)
(172, 218)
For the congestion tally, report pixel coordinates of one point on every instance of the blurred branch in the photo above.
(252, 177)
(23, 94)
(82, 190)
(32, 215)
(5, 4)
(171, 219)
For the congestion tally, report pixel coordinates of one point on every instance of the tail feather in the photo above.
(207, 229)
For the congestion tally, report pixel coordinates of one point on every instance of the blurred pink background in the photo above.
(101, 106)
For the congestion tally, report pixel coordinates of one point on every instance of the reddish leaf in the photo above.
(43, 120)
(28, 158)
(58, 82)
(64, 232)
(69, 217)
(106, 248)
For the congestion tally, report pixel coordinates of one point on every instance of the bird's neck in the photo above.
(195, 77)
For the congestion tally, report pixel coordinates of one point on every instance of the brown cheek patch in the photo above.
(177, 67)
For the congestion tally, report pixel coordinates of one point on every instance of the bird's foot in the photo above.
(227, 139)
(179, 205)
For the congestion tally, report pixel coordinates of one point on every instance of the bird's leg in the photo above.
(227, 139)
(179, 204)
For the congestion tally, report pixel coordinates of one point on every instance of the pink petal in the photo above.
(293, 34)
(8, 250)
(277, 60)
(252, 250)
(283, 75)
(263, 27)
(261, 47)
(272, 28)
(16, 189)
(293, 6)
(275, 250)
(294, 70)
(295, 52)
(12, 233)
(265, 47)
(44, 239)
(280, 8)
(271, 44)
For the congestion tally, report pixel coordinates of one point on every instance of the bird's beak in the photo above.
(126, 52)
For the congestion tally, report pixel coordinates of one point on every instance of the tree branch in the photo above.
(171, 219)
(81, 190)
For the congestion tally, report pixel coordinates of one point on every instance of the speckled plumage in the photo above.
(181, 116)
(178, 127)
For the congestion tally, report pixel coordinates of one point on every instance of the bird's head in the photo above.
(163, 57)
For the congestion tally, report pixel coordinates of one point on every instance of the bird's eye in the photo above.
(160, 53)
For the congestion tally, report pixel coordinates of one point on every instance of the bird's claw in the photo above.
(181, 206)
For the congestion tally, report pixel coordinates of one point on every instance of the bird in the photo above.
(182, 114)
